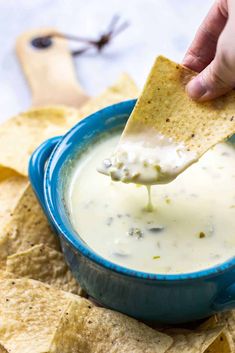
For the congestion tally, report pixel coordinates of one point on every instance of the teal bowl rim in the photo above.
(75, 239)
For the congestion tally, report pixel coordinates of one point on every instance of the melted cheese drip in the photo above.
(149, 207)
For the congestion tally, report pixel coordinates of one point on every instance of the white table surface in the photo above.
(156, 27)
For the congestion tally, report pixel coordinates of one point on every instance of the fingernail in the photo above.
(195, 88)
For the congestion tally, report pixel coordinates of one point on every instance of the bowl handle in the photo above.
(37, 165)
(225, 300)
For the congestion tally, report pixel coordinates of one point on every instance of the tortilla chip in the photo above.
(27, 227)
(202, 341)
(86, 328)
(6, 173)
(30, 312)
(6, 275)
(209, 323)
(222, 344)
(20, 135)
(124, 89)
(11, 190)
(227, 334)
(43, 264)
(228, 318)
(165, 107)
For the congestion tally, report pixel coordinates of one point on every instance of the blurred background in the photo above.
(155, 27)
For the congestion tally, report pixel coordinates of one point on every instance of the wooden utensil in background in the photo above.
(50, 70)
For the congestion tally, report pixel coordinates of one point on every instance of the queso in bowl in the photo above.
(172, 265)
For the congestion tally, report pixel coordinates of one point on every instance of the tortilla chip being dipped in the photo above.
(167, 131)
(164, 97)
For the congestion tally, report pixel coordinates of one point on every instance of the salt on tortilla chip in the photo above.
(27, 227)
(30, 312)
(21, 135)
(11, 190)
(44, 264)
(202, 341)
(165, 107)
(94, 330)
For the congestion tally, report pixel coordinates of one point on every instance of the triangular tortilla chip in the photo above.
(165, 106)
(228, 318)
(30, 312)
(167, 131)
(202, 341)
(11, 190)
(27, 227)
(20, 135)
(43, 264)
(89, 329)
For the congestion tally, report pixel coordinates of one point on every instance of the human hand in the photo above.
(212, 53)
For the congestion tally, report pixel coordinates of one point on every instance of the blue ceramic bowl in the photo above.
(163, 298)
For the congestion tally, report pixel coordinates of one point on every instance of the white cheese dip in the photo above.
(191, 228)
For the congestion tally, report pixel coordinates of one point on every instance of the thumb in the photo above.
(218, 77)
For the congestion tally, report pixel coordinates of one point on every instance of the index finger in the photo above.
(202, 50)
